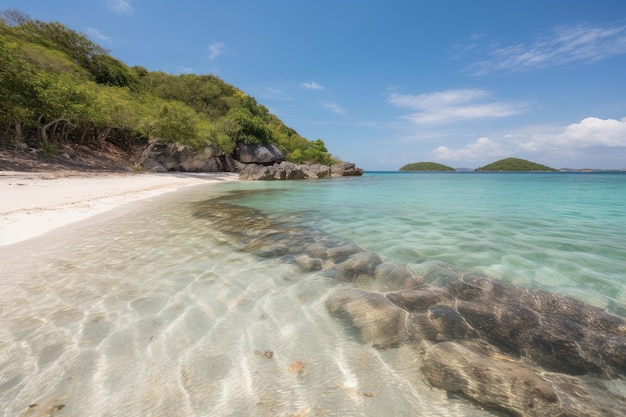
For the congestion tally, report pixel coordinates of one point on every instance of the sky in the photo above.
(390, 82)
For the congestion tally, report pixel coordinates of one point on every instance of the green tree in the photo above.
(173, 121)
(204, 93)
(314, 152)
(60, 102)
(117, 110)
(17, 88)
(110, 71)
(223, 134)
(78, 47)
(15, 17)
(253, 129)
(55, 35)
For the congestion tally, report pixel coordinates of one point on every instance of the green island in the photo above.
(61, 91)
(515, 165)
(426, 167)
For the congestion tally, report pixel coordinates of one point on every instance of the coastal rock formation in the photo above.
(253, 162)
(523, 351)
(258, 154)
(345, 169)
(290, 171)
(163, 157)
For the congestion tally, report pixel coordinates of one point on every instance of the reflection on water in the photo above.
(150, 310)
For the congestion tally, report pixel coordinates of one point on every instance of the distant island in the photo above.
(503, 165)
(426, 167)
(515, 165)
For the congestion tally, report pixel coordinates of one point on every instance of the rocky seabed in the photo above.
(511, 349)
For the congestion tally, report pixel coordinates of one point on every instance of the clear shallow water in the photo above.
(152, 310)
(563, 233)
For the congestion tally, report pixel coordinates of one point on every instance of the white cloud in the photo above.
(475, 150)
(216, 49)
(563, 45)
(121, 6)
(453, 105)
(438, 99)
(335, 108)
(97, 35)
(312, 86)
(589, 132)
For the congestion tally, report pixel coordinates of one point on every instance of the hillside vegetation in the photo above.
(515, 164)
(58, 87)
(426, 166)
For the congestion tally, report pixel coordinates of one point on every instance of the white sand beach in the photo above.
(33, 203)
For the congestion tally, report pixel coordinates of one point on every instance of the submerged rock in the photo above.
(360, 263)
(479, 339)
(380, 322)
(500, 382)
(391, 276)
(525, 351)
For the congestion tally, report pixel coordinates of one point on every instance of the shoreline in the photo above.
(33, 203)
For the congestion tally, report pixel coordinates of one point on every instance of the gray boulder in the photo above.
(253, 162)
(346, 169)
(290, 171)
(264, 154)
(163, 157)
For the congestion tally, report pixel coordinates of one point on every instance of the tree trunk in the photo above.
(18, 131)
(103, 134)
(43, 131)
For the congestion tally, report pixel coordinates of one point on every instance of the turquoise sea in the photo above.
(163, 308)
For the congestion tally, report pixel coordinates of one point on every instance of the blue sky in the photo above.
(385, 83)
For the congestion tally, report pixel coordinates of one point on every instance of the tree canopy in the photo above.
(57, 85)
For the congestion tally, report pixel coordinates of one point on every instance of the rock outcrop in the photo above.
(163, 157)
(253, 162)
(267, 154)
(523, 351)
(290, 171)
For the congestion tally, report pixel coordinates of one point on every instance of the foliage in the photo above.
(57, 85)
(515, 164)
(15, 17)
(204, 93)
(49, 149)
(110, 71)
(103, 68)
(426, 166)
(315, 152)
(16, 89)
(253, 130)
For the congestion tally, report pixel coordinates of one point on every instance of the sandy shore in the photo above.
(33, 203)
